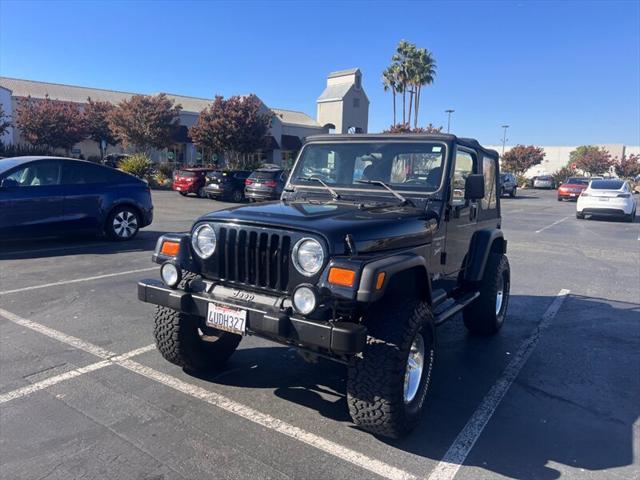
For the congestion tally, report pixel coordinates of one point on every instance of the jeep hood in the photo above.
(372, 228)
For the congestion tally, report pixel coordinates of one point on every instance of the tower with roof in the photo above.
(343, 106)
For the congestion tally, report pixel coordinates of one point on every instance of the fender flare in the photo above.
(483, 242)
(391, 266)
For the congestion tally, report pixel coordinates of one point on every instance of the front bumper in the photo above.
(261, 194)
(266, 317)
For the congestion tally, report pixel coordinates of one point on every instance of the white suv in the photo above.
(607, 198)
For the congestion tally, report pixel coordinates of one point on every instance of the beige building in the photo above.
(347, 106)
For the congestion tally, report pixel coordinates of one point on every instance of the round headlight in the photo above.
(170, 274)
(204, 241)
(304, 300)
(308, 256)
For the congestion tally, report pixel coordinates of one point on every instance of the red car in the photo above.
(191, 180)
(571, 188)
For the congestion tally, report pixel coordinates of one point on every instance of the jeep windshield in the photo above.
(410, 167)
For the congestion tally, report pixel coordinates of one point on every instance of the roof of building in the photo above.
(293, 117)
(333, 93)
(340, 73)
(78, 94)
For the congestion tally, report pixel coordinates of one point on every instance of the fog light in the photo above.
(170, 274)
(304, 300)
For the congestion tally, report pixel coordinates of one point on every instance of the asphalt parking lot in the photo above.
(83, 393)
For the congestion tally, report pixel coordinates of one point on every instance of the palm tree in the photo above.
(425, 74)
(389, 82)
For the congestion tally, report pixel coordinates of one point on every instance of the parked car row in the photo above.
(264, 183)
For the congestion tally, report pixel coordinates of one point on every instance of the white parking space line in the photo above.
(344, 453)
(453, 460)
(554, 223)
(77, 280)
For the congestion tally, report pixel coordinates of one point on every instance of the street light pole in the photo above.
(504, 137)
(450, 111)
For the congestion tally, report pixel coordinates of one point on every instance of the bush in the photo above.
(24, 150)
(138, 165)
(166, 169)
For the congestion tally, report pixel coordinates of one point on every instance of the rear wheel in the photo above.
(513, 192)
(237, 196)
(486, 314)
(387, 384)
(202, 192)
(122, 223)
(580, 216)
(184, 194)
(631, 217)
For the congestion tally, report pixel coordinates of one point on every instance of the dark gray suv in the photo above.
(508, 184)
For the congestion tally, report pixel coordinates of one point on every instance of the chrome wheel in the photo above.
(499, 295)
(414, 369)
(125, 224)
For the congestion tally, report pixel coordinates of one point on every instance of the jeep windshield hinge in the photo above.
(351, 244)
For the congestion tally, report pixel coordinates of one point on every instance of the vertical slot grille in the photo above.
(255, 258)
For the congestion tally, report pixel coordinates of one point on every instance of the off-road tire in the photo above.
(178, 338)
(482, 316)
(580, 216)
(375, 385)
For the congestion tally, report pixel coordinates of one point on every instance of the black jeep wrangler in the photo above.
(377, 240)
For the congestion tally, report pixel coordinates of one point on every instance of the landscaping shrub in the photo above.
(138, 165)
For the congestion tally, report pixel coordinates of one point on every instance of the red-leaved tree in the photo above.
(521, 158)
(145, 122)
(591, 159)
(628, 166)
(406, 128)
(50, 123)
(96, 116)
(235, 126)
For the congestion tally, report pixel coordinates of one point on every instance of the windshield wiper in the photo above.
(393, 192)
(334, 194)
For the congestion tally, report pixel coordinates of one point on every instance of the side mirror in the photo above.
(8, 183)
(474, 187)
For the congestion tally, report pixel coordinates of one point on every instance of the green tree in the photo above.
(96, 116)
(628, 166)
(5, 123)
(521, 158)
(145, 122)
(234, 127)
(591, 159)
(50, 123)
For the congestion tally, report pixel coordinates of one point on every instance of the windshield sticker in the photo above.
(436, 149)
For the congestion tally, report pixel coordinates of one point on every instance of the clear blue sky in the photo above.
(560, 73)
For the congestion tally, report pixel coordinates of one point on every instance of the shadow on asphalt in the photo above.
(574, 402)
(76, 245)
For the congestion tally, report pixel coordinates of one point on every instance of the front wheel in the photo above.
(181, 341)
(513, 193)
(388, 382)
(122, 223)
(184, 194)
(486, 314)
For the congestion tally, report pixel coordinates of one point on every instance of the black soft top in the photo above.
(407, 137)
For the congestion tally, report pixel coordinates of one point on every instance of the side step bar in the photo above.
(455, 307)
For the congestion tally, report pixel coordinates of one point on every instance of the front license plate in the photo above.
(225, 318)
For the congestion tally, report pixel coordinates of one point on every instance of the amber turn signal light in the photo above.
(342, 276)
(170, 249)
(380, 280)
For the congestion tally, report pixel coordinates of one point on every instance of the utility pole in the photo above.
(450, 111)
(504, 137)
